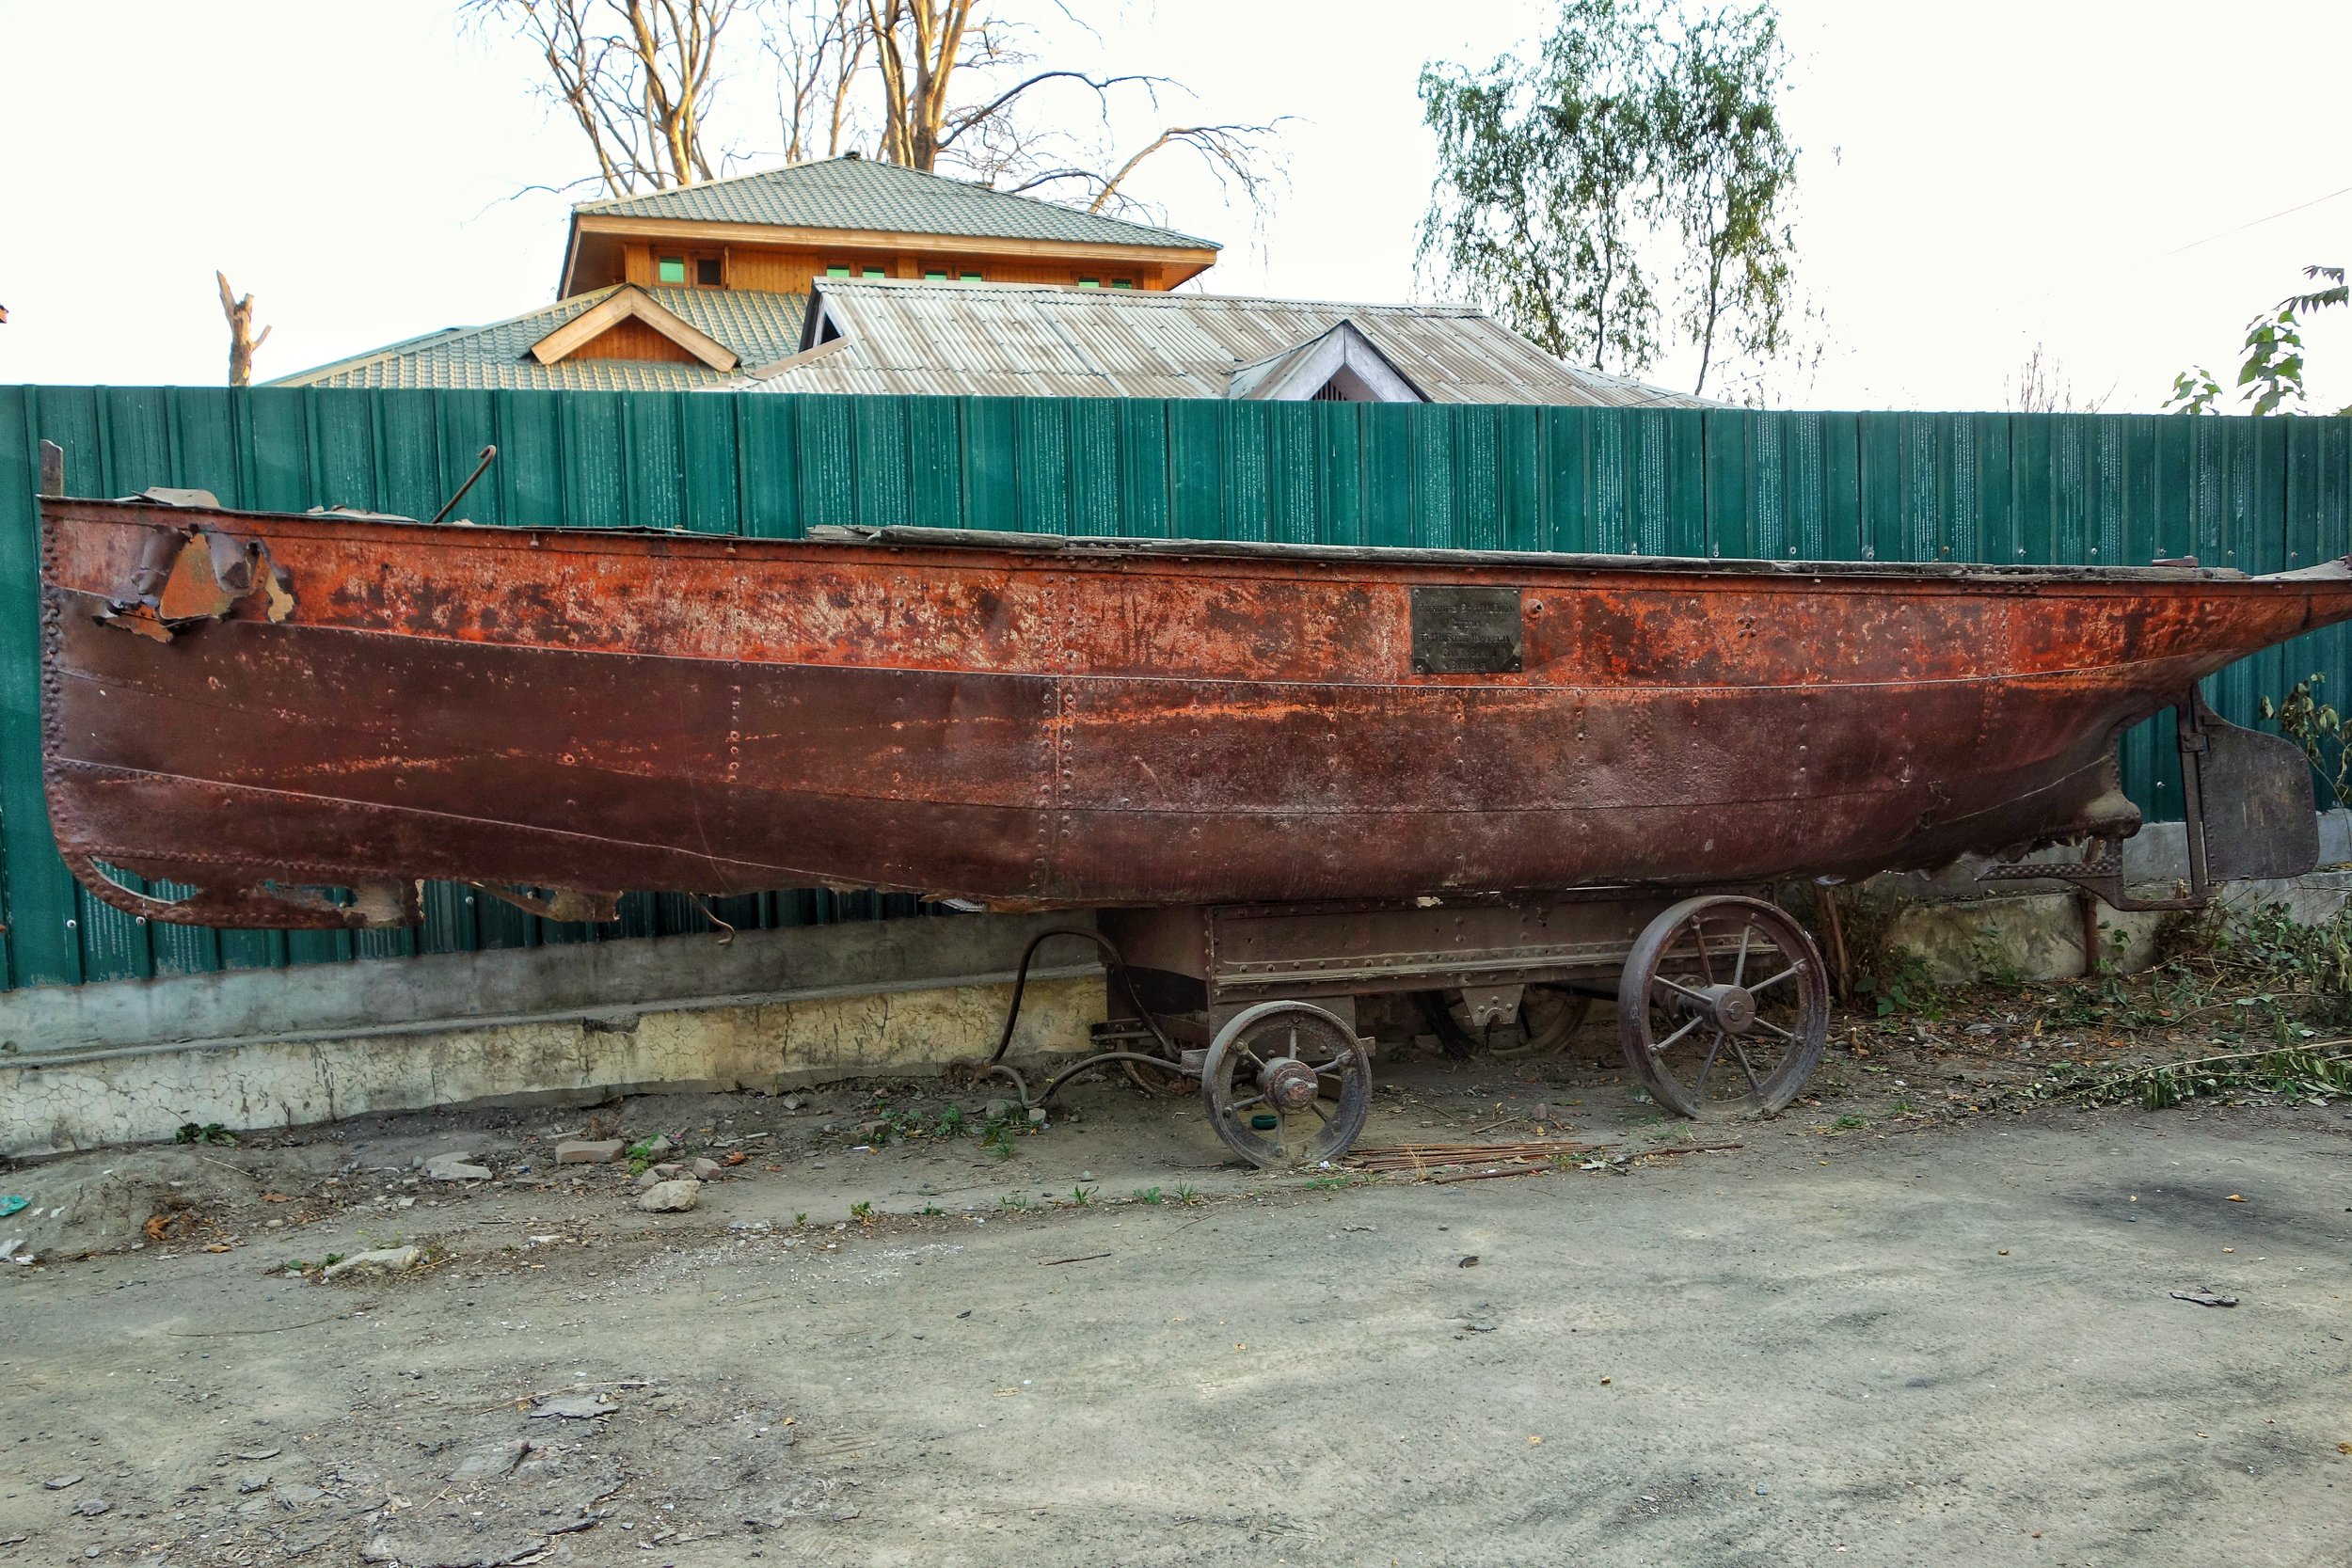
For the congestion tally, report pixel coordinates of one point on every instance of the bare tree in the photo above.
(920, 43)
(820, 47)
(637, 76)
(1240, 156)
(1001, 137)
(242, 340)
(920, 47)
(2042, 385)
(962, 90)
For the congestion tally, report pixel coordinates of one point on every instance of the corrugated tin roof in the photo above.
(761, 327)
(862, 193)
(1012, 339)
(1002, 339)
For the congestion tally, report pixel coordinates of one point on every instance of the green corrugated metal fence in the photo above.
(2257, 494)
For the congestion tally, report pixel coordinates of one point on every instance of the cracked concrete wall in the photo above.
(59, 1101)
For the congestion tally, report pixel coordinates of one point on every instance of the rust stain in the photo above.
(323, 702)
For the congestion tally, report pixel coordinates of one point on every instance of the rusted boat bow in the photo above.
(288, 720)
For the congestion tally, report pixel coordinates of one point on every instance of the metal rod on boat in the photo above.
(2192, 735)
(488, 456)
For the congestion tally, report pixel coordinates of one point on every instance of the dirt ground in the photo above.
(1920, 1318)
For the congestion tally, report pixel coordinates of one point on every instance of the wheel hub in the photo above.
(1730, 1009)
(1288, 1084)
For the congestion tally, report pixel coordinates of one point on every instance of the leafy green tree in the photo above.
(1730, 174)
(2270, 379)
(1639, 154)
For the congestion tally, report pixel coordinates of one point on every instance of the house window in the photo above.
(836, 272)
(709, 271)
(670, 269)
(876, 271)
(972, 277)
(1089, 282)
(935, 278)
(1123, 282)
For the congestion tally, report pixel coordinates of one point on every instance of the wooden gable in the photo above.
(632, 339)
(633, 325)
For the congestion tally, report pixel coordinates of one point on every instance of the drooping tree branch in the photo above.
(1235, 153)
(962, 121)
(1640, 151)
(2337, 294)
(1728, 176)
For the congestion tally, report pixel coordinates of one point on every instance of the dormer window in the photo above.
(701, 271)
(1340, 365)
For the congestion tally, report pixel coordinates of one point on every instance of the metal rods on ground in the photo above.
(1511, 1159)
(1439, 1156)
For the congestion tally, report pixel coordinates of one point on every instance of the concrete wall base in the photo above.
(63, 1102)
(85, 1066)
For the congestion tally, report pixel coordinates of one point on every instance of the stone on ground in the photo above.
(391, 1259)
(670, 1198)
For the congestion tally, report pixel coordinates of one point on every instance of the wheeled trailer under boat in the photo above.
(1724, 1002)
(1290, 775)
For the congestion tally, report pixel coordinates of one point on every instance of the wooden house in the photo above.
(690, 287)
(853, 276)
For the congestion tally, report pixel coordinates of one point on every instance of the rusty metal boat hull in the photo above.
(258, 706)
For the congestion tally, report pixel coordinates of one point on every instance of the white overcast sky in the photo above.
(1977, 179)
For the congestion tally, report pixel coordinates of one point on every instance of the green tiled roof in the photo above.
(761, 327)
(862, 193)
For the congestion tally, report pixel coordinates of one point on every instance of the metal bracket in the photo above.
(2101, 875)
(2245, 813)
(2101, 872)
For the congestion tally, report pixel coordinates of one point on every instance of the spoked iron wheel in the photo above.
(1287, 1085)
(1723, 1007)
(1550, 1016)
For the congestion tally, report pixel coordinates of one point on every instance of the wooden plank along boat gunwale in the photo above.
(259, 706)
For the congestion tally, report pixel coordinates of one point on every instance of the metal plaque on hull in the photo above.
(1465, 630)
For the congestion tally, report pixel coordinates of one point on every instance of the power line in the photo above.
(2257, 222)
